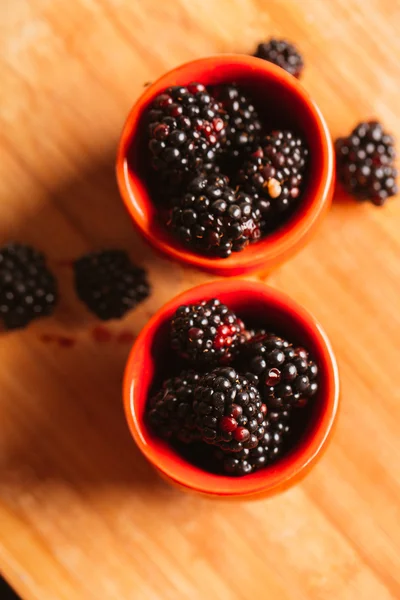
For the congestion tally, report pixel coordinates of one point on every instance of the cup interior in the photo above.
(282, 104)
(152, 360)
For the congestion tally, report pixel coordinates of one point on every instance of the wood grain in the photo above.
(82, 516)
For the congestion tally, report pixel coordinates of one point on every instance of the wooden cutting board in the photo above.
(82, 516)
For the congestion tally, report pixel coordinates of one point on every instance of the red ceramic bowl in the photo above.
(285, 104)
(147, 366)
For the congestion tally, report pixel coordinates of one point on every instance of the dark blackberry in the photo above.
(170, 411)
(269, 448)
(272, 443)
(283, 54)
(233, 464)
(185, 127)
(285, 150)
(287, 375)
(207, 332)
(229, 410)
(365, 163)
(213, 219)
(243, 126)
(168, 186)
(28, 290)
(109, 283)
(274, 174)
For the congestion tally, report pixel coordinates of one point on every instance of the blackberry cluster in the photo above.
(274, 174)
(109, 283)
(171, 409)
(28, 290)
(185, 127)
(212, 218)
(281, 53)
(243, 126)
(199, 141)
(229, 411)
(242, 413)
(206, 333)
(365, 163)
(286, 373)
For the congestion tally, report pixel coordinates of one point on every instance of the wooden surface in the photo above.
(82, 516)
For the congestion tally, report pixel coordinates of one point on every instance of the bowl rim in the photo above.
(288, 469)
(274, 248)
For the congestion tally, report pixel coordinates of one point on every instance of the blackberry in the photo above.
(272, 443)
(283, 54)
(233, 464)
(207, 333)
(285, 150)
(243, 126)
(28, 290)
(268, 449)
(185, 127)
(287, 375)
(170, 411)
(109, 283)
(365, 163)
(274, 173)
(229, 410)
(213, 219)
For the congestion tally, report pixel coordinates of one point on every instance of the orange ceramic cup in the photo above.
(284, 103)
(148, 364)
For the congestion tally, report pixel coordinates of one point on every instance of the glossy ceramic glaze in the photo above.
(282, 102)
(148, 364)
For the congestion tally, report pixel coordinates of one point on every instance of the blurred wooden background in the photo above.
(82, 516)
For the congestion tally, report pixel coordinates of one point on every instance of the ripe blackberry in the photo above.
(285, 150)
(167, 187)
(287, 375)
(170, 411)
(229, 410)
(268, 449)
(270, 446)
(283, 54)
(243, 126)
(185, 127)
(109, 283)
(365, 163)
(235, 464)
(274, 173)
(213, 219)
(207, 333)
(28, 290)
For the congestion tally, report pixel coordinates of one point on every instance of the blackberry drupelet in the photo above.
(185, 127)
(213, 219)
(109, 283)
(243, 126)
(28, 290)
(287, 375)
(365, 163)
(229, 411)
(206, 333)
(170, 411)
(274, 174)
(283, 54)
